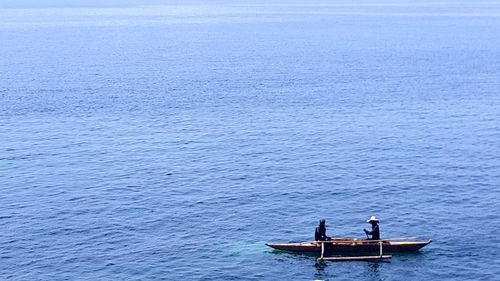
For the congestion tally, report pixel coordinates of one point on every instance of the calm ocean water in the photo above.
(170, 142)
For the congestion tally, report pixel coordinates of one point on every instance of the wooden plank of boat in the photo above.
(350, 258)
(358, 258)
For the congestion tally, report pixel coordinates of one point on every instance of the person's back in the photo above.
(375, 232)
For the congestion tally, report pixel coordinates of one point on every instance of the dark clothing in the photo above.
(320, 234)
(375, 233)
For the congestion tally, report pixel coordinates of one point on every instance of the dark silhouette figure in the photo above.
(320, 232)
(375, 232)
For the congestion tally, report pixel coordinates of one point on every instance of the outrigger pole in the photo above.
(358, 258)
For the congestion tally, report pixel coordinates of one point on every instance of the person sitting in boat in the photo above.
(375, 232)
(320, 232)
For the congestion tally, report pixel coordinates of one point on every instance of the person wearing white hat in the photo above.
(375, 232)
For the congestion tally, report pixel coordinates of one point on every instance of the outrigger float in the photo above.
(356, 246)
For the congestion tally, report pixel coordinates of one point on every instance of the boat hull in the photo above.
(352, 246)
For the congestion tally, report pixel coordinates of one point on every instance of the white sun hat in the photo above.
(373, 218)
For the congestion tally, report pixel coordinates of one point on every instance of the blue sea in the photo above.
(170, 140)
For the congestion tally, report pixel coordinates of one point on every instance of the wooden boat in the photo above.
(349, 245)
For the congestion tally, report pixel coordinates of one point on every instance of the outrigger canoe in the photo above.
(350, 245)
